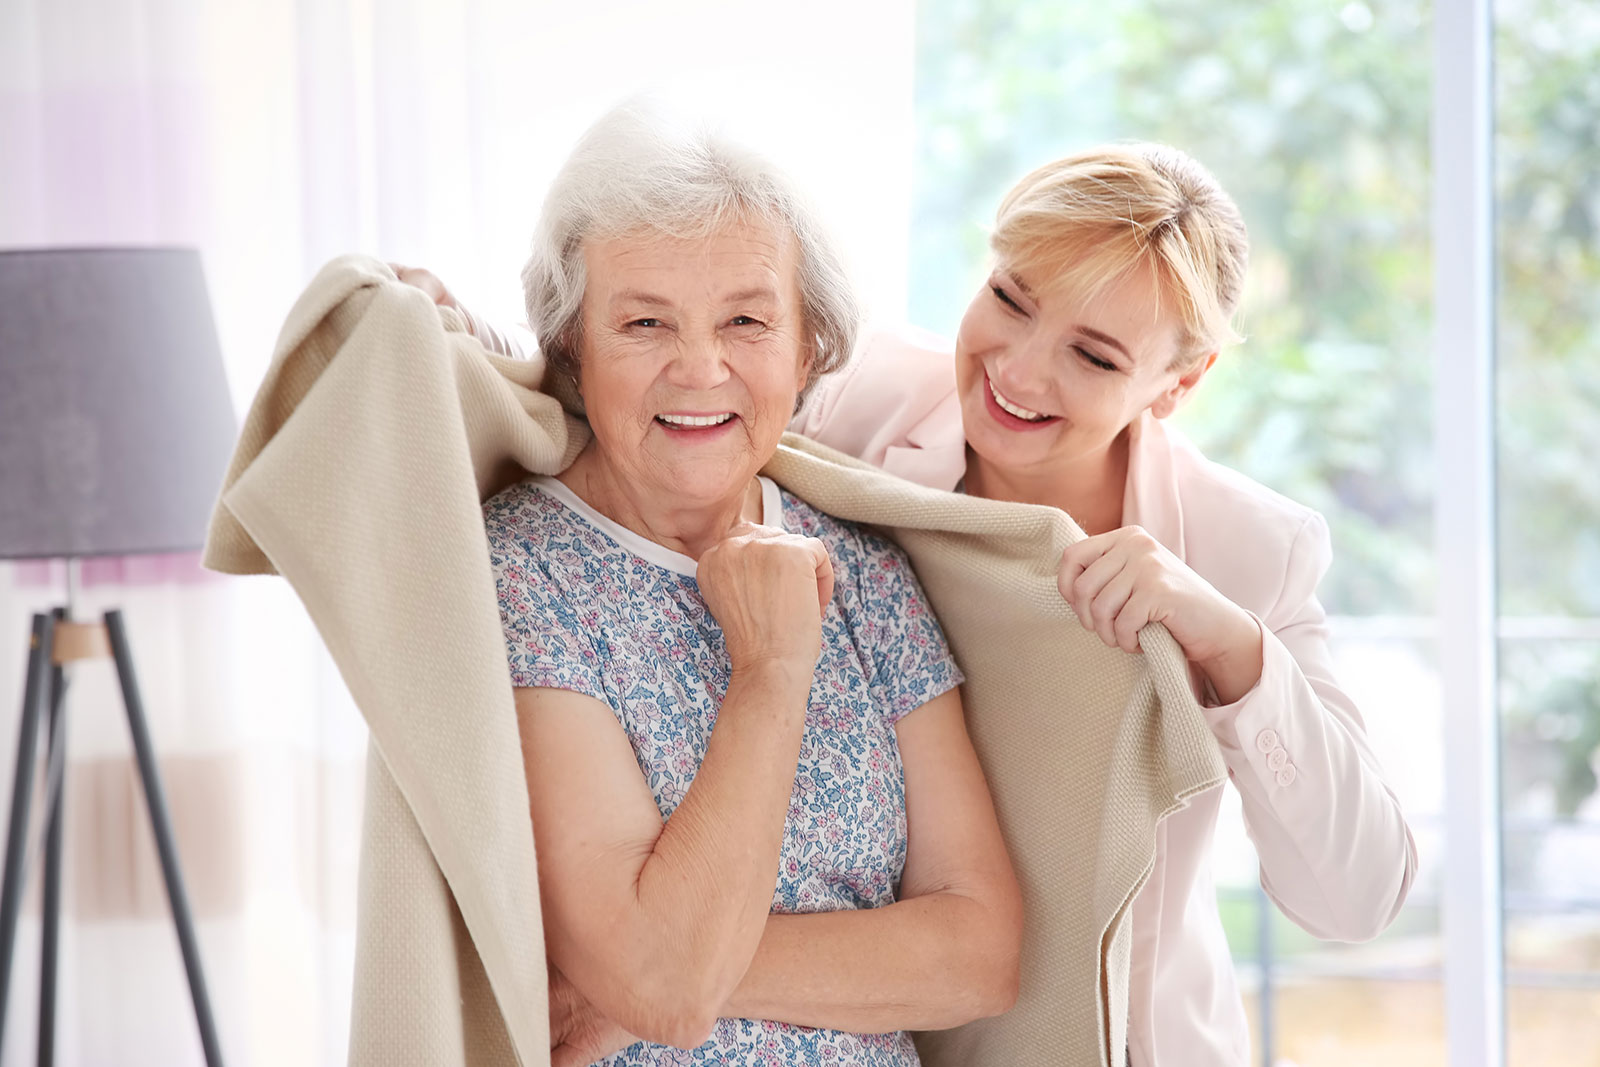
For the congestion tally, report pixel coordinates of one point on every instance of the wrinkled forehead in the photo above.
(736, 251)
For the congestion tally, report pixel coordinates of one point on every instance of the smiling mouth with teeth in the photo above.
(694, 421)
(1013, 409)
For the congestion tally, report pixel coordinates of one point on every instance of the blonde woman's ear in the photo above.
(1169, 401)
(1191, 378)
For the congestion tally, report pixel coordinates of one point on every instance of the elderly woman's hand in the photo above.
(768, 589)
(579, 1033)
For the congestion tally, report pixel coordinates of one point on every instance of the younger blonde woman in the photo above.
(1116, 274)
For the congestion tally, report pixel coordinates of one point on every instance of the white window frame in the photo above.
(1464, 518)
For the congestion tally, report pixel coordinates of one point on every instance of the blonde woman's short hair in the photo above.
(1080, 224)
(645, 169)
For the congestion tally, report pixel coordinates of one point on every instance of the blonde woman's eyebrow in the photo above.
(1088, 331)
(1105, 339)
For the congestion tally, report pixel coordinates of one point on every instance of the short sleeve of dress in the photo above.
(910, 661)
(547, 644)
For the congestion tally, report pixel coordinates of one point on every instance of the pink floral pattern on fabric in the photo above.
(583, 613)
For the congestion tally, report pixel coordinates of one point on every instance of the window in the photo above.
(1547, 232)
(1317, 117)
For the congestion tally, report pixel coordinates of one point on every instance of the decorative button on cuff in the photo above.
(1269, 743)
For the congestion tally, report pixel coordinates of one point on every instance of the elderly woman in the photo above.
(763, 833)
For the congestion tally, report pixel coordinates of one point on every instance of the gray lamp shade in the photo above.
(115, 419)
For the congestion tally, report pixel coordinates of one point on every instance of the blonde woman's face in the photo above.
(1046, 379)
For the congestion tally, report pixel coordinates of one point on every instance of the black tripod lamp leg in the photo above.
(39, 656)
(161, 823)
(56, 808)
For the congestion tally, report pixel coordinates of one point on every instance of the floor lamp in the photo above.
(115, 427)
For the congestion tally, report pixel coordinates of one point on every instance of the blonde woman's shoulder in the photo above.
(1257, 546)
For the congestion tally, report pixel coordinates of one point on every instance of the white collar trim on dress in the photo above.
(643, 547)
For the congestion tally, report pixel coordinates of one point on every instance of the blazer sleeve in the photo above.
(1336, 854)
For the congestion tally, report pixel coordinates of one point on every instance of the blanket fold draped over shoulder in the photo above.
(381, 426)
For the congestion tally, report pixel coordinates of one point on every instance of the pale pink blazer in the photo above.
(1336, 854)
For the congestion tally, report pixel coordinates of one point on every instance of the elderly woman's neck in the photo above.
(689, 528)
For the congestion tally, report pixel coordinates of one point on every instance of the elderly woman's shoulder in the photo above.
(518, 509)
(512, 498)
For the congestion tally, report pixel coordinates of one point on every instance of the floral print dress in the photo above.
(590, 606)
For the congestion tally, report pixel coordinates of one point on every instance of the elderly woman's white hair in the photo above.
(638, 170)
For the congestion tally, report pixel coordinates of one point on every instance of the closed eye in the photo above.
(1005, 299)
(1092, 359)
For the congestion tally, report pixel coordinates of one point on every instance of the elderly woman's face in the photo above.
(692, 358)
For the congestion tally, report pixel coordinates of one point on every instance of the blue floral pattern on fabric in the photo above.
(584, 613)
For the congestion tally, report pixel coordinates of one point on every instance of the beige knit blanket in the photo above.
(358, 476)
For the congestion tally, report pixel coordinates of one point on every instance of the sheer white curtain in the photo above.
(272, 136)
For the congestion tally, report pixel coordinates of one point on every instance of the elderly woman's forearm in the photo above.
(701, 895)
(927, 963)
